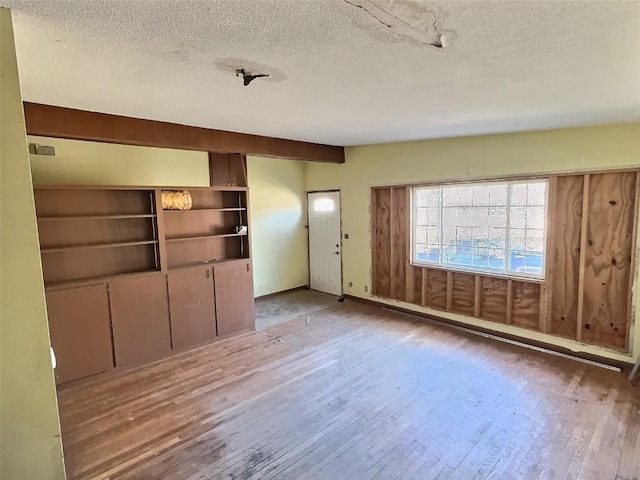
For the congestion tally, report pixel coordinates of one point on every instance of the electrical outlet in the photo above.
(366, 288)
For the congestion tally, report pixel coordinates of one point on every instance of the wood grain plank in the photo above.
(583, 251)
(633, 271)
(399, 230)
(546, 287)
(463, 288)
(476, 295)
(509, 301)
(437, 289)
(564, 255)
(414, 284)
(608, 255)
(382, 243)
(526, 305)
(449, 291)
(493, 299)
(425, 287)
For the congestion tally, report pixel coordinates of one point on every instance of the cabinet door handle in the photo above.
(247, 267)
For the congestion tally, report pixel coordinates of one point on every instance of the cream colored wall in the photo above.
(30, 445)
(92, 163)
(567, 150)
(277, 195)
(277, 198)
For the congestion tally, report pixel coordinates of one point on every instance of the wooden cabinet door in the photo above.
(193, 311)
(235, 306)
(140, 318)
(80, 331)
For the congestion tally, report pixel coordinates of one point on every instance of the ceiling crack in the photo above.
(409, 19)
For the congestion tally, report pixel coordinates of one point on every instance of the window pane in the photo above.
(481, 216)
(465, 216)
(323, 205)
(518, 194)
(483, 227)
(534, 240)
(535, 217)
(498, 195)
(481, 195)
(420, 197)
(433, 235)
(450, 195)
(537, 193)
(465, 196)
(433, 252)
(421, 216)
(518, 217)
(433, 216)
(450, 216)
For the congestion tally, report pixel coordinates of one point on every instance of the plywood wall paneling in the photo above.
(545, 288)
(449, 291)
(634, 259)
(399, 230)
(563, 259)
(437, 289)
(526, 305)
(414, 284)
(588, 269)
(425, 287)
(607, 265)
(382, 243)
(408, 284)
(463, 293)
(476, 295)
(493, 299)
(583, 249)
(509, 318)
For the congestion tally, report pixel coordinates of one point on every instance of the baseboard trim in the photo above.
(282, 292)
(589, 357)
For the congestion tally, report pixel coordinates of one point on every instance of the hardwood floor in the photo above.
(358, 393)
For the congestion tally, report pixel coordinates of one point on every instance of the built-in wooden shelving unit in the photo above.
(152, 281)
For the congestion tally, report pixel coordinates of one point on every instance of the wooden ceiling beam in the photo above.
(61, 122)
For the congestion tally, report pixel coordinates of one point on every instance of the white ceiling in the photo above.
(339, 75)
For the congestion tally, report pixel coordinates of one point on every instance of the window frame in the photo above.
(476, 270)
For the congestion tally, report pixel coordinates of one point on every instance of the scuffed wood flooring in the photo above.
(358, 393)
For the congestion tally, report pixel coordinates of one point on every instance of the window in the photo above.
(490, 227)
(323, 205)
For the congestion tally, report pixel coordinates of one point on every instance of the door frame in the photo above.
(330, 190)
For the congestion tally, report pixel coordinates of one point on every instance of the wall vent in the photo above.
(38, 149)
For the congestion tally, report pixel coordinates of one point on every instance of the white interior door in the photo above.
(325, 253)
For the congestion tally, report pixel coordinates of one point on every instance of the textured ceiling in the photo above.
(341, 72)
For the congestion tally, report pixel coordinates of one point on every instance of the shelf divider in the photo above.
(205, 237)
(97, 245)
(96, 217)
